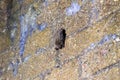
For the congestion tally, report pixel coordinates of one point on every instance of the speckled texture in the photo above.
(92, 46)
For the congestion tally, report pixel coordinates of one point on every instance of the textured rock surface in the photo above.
(92, 47)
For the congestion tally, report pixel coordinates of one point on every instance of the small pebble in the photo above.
(117, 39)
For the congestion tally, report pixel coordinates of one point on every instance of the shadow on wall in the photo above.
(5, 24)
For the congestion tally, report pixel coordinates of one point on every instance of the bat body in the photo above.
(60, 37)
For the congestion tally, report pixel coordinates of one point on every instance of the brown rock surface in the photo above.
(92, 46)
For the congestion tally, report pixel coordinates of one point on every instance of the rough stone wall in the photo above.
(92, 46)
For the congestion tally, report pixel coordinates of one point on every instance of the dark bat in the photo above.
(60, 37)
